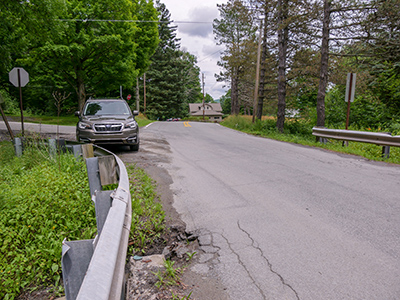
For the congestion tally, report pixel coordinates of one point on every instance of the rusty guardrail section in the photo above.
(378, 138)
(94, 269)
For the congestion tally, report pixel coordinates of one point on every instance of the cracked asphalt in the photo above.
(277, 220)
(283, 221)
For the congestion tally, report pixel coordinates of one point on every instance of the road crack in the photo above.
(253, 244)
(244, 267)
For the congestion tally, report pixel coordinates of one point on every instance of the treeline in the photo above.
(306, 50)
(78, 49)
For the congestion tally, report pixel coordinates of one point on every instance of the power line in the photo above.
(210, 55)
(133, 21)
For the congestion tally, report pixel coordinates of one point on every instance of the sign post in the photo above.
(350, 89)
(19, 78)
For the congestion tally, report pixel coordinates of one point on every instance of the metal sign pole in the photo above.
(20, 101)
(350, 91)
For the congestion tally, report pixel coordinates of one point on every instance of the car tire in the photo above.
(134, 147)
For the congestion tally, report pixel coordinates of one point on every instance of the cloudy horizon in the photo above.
(197, 37)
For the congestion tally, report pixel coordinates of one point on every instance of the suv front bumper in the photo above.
(125, 137)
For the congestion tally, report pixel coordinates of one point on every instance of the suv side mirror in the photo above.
(135, 112)
(77, 113)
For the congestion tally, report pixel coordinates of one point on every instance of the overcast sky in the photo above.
(198, 38)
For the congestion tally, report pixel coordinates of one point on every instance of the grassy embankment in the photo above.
(45, 199)
(300, 132)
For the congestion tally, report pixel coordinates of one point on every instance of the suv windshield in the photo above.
(102, 108)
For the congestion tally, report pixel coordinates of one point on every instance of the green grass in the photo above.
(42, 201)
(147, 215)
(299, 131)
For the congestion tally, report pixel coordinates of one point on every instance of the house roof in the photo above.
(210, 109)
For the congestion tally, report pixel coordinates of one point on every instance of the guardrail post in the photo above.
(108, 170)
(385, 151)
(76, 150)
(18, 146)
(61, 145)
(75, 260)
(92, 166)
(102, 205)
(52, 147)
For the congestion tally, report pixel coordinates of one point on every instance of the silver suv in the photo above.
(108, 121)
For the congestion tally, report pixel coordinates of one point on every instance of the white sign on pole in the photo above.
(13, 76)
(350, 87)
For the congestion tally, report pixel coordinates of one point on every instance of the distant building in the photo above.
(211, 110)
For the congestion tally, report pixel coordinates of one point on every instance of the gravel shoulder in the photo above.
(199, 277)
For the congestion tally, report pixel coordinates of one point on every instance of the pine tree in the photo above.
(172, 79)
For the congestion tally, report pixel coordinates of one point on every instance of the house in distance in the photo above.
(211, 110)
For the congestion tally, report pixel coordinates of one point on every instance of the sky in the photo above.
(198, 38)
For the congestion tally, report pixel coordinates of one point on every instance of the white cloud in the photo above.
(197, 38)
(200, 19)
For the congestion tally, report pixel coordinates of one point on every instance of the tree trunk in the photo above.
(81, 93)
(260, 103)
(282, 44)
(235, 109)
(323, 79)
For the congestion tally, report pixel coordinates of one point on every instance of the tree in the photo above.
(236, 31)
(172, 80)
(94, 48)
(323, 81)
(283, 34)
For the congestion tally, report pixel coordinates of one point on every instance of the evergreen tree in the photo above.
(172, 79)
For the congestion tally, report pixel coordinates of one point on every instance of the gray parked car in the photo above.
(108, 121)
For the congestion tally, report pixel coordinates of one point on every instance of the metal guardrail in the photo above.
(378, 138)
(95, 269)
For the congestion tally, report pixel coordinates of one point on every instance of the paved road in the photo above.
(41, 128)
(282, 221)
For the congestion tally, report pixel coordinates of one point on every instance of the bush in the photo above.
(43, 201)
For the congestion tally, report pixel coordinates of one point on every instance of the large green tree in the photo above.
(88, 47)
(99, 47)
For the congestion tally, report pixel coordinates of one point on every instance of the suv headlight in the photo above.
(83, 125)
(132, 125)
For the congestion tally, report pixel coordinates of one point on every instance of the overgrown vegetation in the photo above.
(43, 200)
(147, 214)
(299, 131)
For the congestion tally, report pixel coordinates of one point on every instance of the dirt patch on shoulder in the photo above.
(196, 276)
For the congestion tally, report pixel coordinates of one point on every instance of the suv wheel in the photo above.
(134, 147)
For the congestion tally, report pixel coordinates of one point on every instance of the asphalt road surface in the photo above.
(283, 221)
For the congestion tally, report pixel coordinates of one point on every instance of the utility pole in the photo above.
(137, 93)
(144, 95)
(203, 96)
